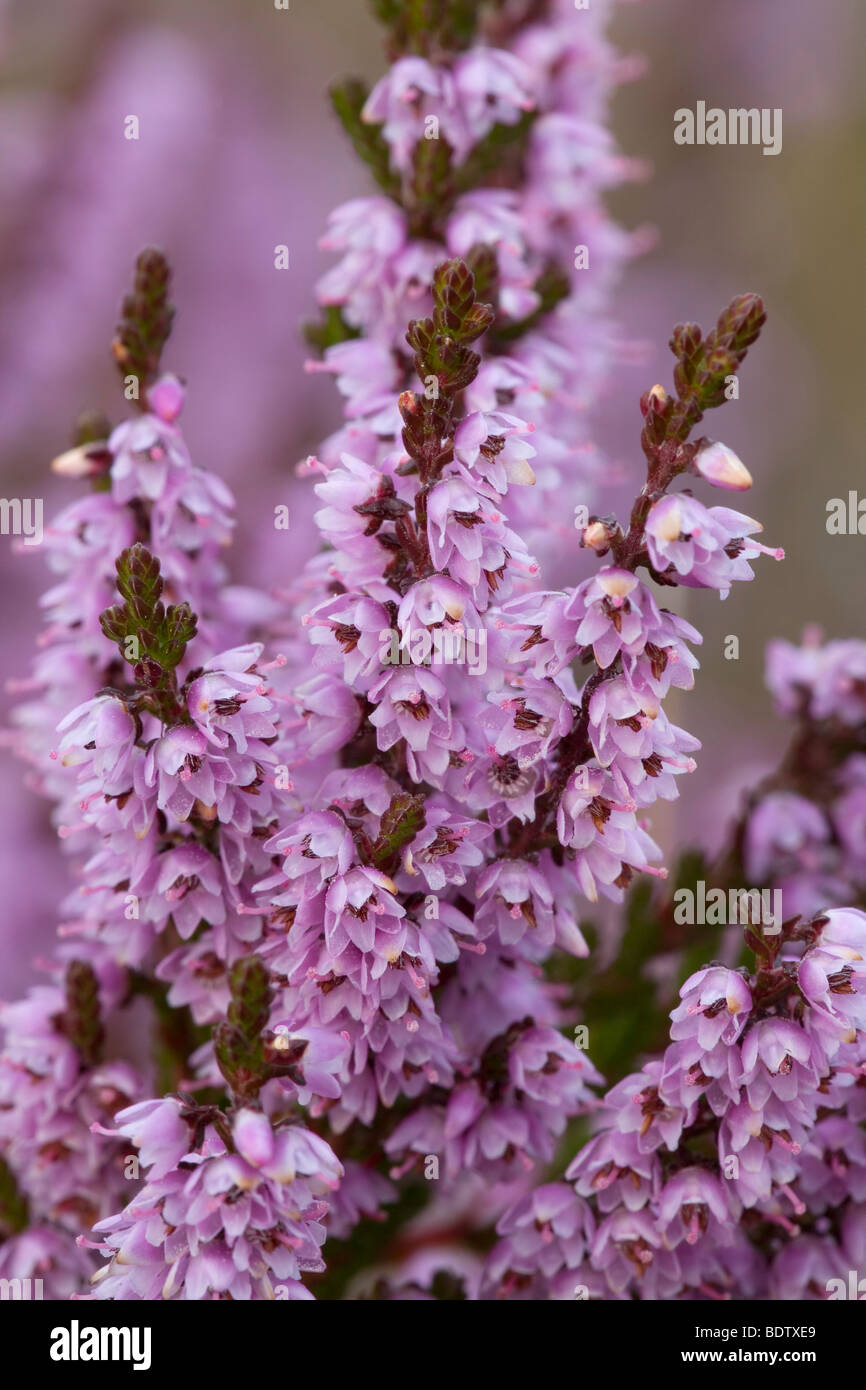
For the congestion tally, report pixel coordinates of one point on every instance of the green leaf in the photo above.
(331, 329)
(401, 822)
(146, 321)
(500, 153)
(81, 1020)
(14, 1211)
(160, 635)
(348, 100)
(552, 286)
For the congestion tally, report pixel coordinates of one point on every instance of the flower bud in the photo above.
(721, 467)
(85, 461)
(596, 537)
(654, 401)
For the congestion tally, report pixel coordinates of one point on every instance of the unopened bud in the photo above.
(654, 401)
(85, 461)
(596, 537)
(721, 467)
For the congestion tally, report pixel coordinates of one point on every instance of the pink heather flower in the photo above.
(693, 1202)
(329, 716)
(802, 1269)
(616, 613)
(508, 1130)
(641, 1110)
(412, 704)
(100, 736)
(528, 723)
(402, 100)
(188, 886)
(43, 1252)
(166, 397)
(159, 1133)
(430, 602)
(836, 992)
(716, 1003)
(604, 833)
(220, 1222)
(494, 87)
(314, 849)
(361, 908)
(362, 1193)
(545, 1238)
(707, 548)
(787, 834)
(348, 631)
(777, 1060)
(494, 217)
(369, 379)
(613, 1169)
(448, 847)
(833, 1164)
(228, 702)
(490, 445)
(50, 1102)
(843, 934)
(720, 466)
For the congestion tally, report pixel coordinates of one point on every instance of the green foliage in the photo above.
(440, 344)
(331, 329)
(484, 264)
(151, 637)
(14, 1211)
(146, 321)
(704, 363)
(624, 1009)
(369, 1243)
(400, 823)
(430, 191)
(552, 286)
(498, 157)
(428, 27)
(370, 145)
(238, 1042)
(247, 1052)
(81, 1020)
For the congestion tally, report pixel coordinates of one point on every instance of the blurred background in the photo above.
(238, 152)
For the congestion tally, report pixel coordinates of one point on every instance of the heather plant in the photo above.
(352, 895)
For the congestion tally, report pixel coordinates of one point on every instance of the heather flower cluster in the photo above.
(527, 100)
(144, 489)
(466, 815)
(336, 880)
(803, 830)
(734, 1165)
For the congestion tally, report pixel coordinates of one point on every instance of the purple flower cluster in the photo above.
(452, 816)
(805, 833)
(225, 1213)
(735, 1165)
(552, 79)
(55, 1097)
(146, 490)
(344, 871)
